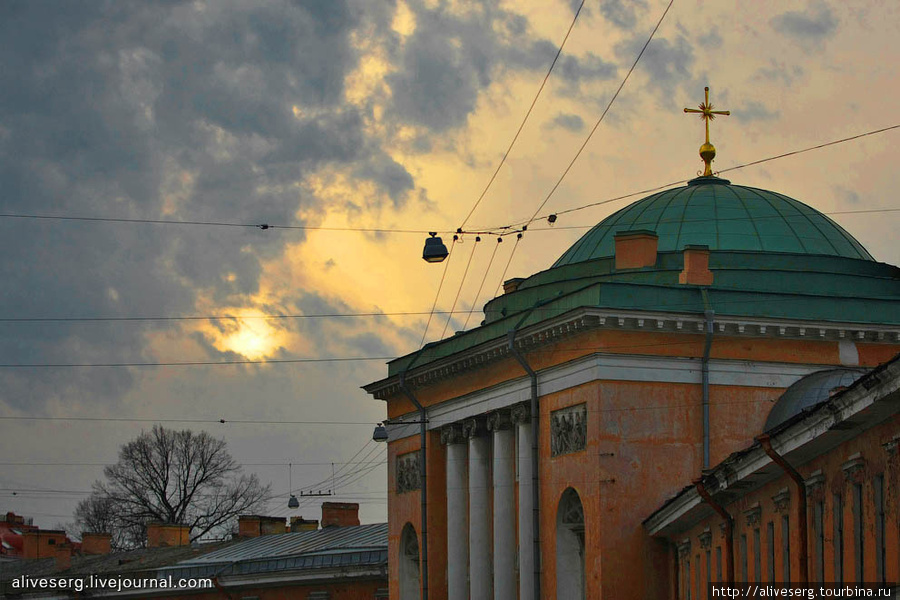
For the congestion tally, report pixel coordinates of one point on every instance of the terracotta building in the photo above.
(596, 390)
(814, 499)
(342, 561)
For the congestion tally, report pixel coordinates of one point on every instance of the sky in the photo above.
(339, 116)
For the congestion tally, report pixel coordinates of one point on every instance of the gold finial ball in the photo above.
(707, 152)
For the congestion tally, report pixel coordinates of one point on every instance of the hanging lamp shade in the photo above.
(380, 434)
(293, 502)
(435, 251)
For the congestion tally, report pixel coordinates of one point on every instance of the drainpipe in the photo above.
(535, 490)
(423, 471)
(729, 528)
(708, 315)
(766, 442)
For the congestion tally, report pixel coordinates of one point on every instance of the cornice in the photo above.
(588, 318)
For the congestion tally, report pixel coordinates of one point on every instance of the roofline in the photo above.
(587, 318)
(869, 401)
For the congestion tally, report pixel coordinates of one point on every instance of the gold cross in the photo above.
(706, 112)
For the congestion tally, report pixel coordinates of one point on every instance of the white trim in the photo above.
(605, 367)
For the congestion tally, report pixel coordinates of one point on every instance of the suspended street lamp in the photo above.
(435, 251)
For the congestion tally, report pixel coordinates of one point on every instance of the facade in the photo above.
(836, 518)
(595, 391)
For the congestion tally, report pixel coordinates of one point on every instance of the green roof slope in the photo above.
(712, 212)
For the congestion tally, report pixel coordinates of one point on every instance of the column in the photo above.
(457, 527)
(479, 510)
(522, 422)
(504, 476)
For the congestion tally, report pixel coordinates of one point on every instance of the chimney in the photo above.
(339, 514)
(301, 524)
(251, 526)
(42, 543)
(63, 557)
(511, 285)
(696, 266)
(96, 543)
(636, 249)
(161, 535)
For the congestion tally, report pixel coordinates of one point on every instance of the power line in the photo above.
(605, 111)
(481, 285)
(438, 294)
(197, 363)
(527, 114)
(225, 317)
(186, 420)
(734, 168)
(462, 282)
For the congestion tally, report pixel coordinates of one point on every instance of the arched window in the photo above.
(570, 547)
(409, 563)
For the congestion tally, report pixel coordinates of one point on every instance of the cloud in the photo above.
(451, 58)
(570, 122)
(622, 13)
(216, 111)
(754, 111)
(810, 26)
(666, 64)
(846, 195)
(711, 39)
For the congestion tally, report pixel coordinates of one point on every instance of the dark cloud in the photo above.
(754, 111)
(846, 195)
(622, 13)
(567, 121)
(711, 39)
(212, 111)
(780, 73)
(450, 58)
(813, 25)
(667, 64)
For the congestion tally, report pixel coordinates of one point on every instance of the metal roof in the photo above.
(710, 211)
(372, 537)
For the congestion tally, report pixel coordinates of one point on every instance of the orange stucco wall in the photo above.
(644, 444)
(878, 461)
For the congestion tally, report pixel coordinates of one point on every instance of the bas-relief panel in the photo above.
(568, 430)
(408, 472)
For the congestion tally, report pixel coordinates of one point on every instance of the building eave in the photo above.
(592, 318)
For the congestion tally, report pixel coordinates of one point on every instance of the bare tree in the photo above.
(170, 476)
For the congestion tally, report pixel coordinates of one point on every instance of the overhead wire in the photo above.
(481, 285)
(527, 114)
(440, 286)
(603, 115)
(797, 297)
(461, 284)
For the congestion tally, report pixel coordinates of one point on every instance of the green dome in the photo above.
(713, 212)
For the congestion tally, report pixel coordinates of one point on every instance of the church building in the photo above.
(595, 434)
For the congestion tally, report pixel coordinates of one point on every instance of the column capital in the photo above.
(520, 413)
(473, 427)
(452, 434)
(498, 420)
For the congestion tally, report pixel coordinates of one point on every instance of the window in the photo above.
(819, 533)
(838, 523)
(880, 547)
(687, 578)
(785, 548)
(708, 568)
(744, 576)
(858, 541)
(757, 549)
(770, 551)
(719, 563)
